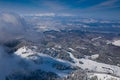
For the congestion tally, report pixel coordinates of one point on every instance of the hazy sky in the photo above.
(84, 8)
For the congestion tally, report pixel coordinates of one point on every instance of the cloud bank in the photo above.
(11, 26)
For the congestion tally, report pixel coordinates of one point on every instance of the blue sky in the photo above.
(85, 8)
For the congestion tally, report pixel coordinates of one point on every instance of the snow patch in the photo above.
(42, 61)
(98, 76)
(94, 66)
(93, 57)
(71, 49)
(96, 38)
(116, 42)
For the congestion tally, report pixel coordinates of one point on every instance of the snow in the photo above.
(44, 62)
(93, 57)
(116, 42)
(100, 67)
(108, 42)
(103, 76)
(95, 66)
(58, 46)
(96, 38)
(24, 52)
(35, 60)
(74, 59)
(28, 59)
(71, 49)
(81, 47)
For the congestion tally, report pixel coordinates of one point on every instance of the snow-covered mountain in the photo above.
(58, 48)
(28, 59)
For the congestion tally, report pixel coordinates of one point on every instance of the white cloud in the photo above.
(8, 64)
(55, 5)
(108, 3)
(49, 14)
(41, 14)
(65, 14)
(11, 26)
(105, 5)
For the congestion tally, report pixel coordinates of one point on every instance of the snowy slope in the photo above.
(92, 66)
(26, 59)
(99, 76)
(33, 60)
(116, 42)
(42, 61)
